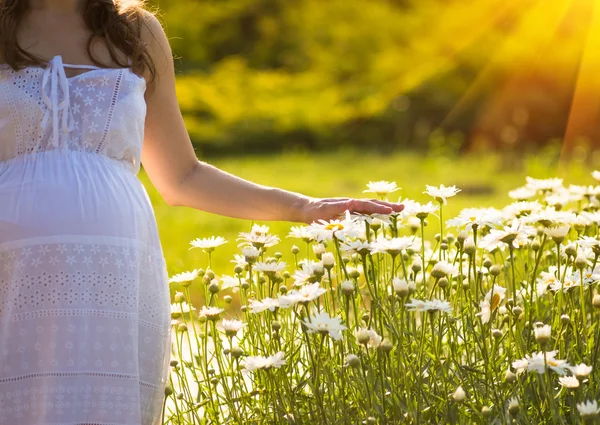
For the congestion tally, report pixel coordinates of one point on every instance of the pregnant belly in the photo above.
(72, 193)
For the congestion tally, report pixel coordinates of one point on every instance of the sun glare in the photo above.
(551, 44)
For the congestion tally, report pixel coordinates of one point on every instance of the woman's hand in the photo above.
(333, 208)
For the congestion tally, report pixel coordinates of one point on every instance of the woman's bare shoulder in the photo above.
(157, 43)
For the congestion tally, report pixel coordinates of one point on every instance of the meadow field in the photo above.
(484, 179)
(496, 322)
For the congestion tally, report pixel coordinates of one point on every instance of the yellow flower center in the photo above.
(334, 226)
(472, 218)
(495, 300)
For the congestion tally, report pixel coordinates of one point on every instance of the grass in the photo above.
(484, 180)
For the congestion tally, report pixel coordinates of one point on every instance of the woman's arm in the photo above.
(169, 159)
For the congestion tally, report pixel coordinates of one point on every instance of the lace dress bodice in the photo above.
(101, 110)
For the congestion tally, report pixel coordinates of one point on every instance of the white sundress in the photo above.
(84, 299)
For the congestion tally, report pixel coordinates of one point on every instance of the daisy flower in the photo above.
(252, 363)
(381, 188)
(588, 409)
(522, 193)
(270, 268)
(304, 294)
(519, 209)
(208, 244)
(179, 308)
(568, 381)
(419, 210)
(581, 370)
(544, 185)
(231, 327)
(441, 193)
(321, 322)
(265, 304)
(536, 363)
(342, 229)
(368, 337)
(211, 313)
(185, 277)
(357, 246)
(434, 305)
(395, 246)
(230, 282)
(480, 217)
(517, 235)
(443, 268)
(257, 240)
(301, 232)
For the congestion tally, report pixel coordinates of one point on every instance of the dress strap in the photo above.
(68, 65)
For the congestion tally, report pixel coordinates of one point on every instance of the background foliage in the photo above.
(275, 75)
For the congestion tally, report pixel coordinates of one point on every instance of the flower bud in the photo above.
(319, 250)
(173, 363)
(237, 352)
(168, 390)
(443, 282)
(245, 284)
(509, 376)
(462, 236)
(179, 297)
(295, 250)
(228, 299)
(513, 407)
(596, 301)
(542, 334)
(371, 420)
(469, 246)
(581, 261)
(275, 325)
(487, 263)
(179, 396)
(486, 411)
(517, 311)
(363, 336)
(238, 269)
(182, 327)
(571, 249)
(497, 333)
(565, 319)
(328, 260)
(213, 288)
(283, 289)
(353, 273)
(352, 360)
(444, 246)
(400, 287)
(386, 346)
(495, 270)
(459, 395)
(535, 245)
(416, 267)
(348, 288)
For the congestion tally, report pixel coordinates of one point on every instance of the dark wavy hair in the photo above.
(117, 22)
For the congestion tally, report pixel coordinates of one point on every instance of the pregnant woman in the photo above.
(87, 93)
